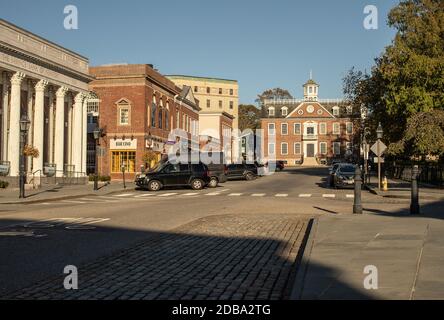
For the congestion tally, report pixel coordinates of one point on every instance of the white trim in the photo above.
(333, 128)
(274, 129)
(282, 131)
(282, 153)
(300, 148)
(313, 103)
(300, 128)
(320, 148)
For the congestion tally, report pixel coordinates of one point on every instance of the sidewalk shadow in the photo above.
(151, 265)
(433, 209)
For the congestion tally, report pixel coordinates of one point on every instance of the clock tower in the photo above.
(311, 89)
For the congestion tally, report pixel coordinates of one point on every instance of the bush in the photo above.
(4, 184)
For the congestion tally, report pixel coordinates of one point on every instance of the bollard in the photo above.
(357, 205)
(414, 205)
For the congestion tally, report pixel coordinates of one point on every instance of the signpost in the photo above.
(378, 148)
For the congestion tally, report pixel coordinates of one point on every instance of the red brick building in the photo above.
(138, 108)
(309, 131)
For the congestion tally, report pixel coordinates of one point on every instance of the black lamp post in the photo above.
(97, 135)
(379, 133)
(24, 128)
(123, 173)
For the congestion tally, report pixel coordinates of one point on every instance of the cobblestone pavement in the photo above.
(251, 257)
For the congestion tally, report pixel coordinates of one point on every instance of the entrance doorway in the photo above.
(310, 150)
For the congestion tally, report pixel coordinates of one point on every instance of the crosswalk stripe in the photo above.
(329, 196)
(213, 194)
(72, 201)
(305, 196)
(235, 194)
(281, 195)
(125, 195)
(350, 195)
(258, 195)
(167, 195)
(145, 195)
(190, 194)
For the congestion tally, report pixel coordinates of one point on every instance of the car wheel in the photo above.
(249, 176)
(197, 184)
(213, 182)
(154, 185)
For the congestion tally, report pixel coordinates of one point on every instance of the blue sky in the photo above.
(262, 44)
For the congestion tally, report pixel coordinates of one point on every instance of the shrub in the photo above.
(4, 184)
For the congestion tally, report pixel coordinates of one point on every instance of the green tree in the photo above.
(249, 117)
(276, 93)
(408, 78)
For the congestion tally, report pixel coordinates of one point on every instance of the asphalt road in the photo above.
(38, 241)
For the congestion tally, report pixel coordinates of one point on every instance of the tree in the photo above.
(276, 93)
(249, 117)
(149, 157)
(408, 78)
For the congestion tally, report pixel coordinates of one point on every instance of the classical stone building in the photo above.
(219, 99)
(138, 110)
(310, 131)
(48, 84)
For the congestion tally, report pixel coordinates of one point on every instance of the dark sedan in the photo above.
(344, 177)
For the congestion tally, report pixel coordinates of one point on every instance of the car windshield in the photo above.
(157, 167)
(347, 169)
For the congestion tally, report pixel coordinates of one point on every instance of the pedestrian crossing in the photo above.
(147, 196)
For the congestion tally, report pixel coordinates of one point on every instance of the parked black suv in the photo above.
(217, 169)
(166, 174)
(241, 171)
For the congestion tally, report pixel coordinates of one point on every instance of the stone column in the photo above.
(39, 123)
(51, 127)
(77, 128)
(30, 113)
(69, 141)
(14, 121)
(84, 142)
(5, 119)
(59, 138)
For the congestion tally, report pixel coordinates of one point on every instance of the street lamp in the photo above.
(123, 167)
(97, 135)
(379, 133)
(24, 128)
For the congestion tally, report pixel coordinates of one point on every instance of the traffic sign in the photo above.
(380, 147)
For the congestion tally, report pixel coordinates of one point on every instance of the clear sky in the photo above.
(262, 44)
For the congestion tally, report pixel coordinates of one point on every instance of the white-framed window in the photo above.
(271, 129)
(349, 146)
(284, 129)
(336, 111)
(323, 128)
(349, 110)
(124, 116)
(323, 148)
(297, 148)
(297, 128)
(336, 128)
(337, 148)
(284, 111)
(284, 148)
(271, 111)
(271, 148)
(349, 127)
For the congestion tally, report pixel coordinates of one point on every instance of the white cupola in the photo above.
(311, 90)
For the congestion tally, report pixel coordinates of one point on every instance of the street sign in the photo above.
(378, 146)
(375, 160)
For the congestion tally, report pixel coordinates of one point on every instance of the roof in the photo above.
(209, 79)
(311, 81)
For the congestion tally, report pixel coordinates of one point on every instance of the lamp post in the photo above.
(97, 134)
(123, 167)
(24, 127)
(379, 133)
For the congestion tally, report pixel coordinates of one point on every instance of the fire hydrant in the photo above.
(385, 184)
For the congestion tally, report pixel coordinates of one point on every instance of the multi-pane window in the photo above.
(284, 148)
(208, 103)
(271, 112)
(337, 148)
(336, 111)
(153, 113)
(349, 127)
(284, 128)
(231, 92)
(231, 104)
(323, 128)
(349, 110)
(167, 120)
(323, 148)
(124, 115)
(297, 128)
(284, 111)
(271, 129)
(220, 104)
(119, 158)
(271, 149)
(336, 128)
(297, 148)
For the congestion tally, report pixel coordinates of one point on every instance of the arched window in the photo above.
(167, 116)
(160, 122)
(153, 112)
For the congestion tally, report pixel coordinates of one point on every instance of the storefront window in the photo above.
(119, 157)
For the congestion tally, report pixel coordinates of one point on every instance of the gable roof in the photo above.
(316, 105)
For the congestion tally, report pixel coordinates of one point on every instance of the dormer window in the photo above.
(349, 110)
(271, 111)
(284, 111)
(336, 111)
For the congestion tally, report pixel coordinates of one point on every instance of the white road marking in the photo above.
(258, 195)
(72, 201)
(350, 195)
(305, 195)
(224, 190)
(213, 194)
(167, 195)
(329, 196)
(190, 194)
(125, 195)
(281, 195)
(235, 194)
(145, 195)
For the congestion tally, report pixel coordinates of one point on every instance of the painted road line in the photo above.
(329, 196)
(213, 194)
(350, 195)
(281, 195)
(235, 194)
(125, 195)
(72, 201)
(145, 195)
(258, 195)
(305, 195)
(167, 195)
(190, 194)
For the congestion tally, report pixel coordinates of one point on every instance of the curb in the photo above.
(394, 196)
(307, 244)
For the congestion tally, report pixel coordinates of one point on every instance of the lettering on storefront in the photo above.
(127, 144)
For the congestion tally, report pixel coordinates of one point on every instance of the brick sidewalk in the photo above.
(219, 257)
